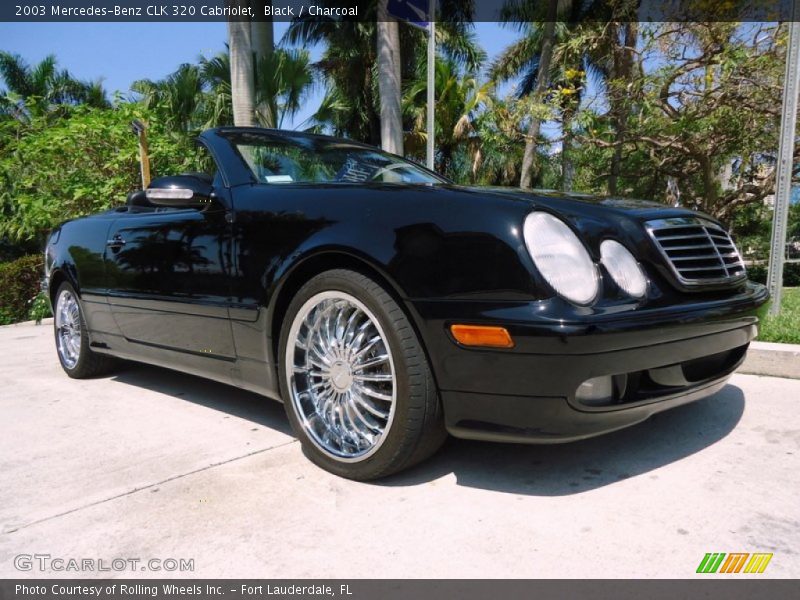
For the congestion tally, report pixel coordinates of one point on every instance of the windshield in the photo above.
(297, 158)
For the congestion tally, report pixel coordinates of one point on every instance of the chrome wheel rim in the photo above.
(341, 376)
(68, 329)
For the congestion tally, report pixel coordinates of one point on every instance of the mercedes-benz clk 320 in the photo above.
(386, 306)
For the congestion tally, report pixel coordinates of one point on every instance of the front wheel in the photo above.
(356, 383)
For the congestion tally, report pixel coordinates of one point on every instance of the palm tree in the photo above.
(499, 157)
(622, 38)
(388, 50)
(262, 36)
(250, 44)
(570, 93)
(460, 98)
(573, 64)
(177, 98)
(283, 79)
(41, 88)
(242, 73)
(534, 54)
(569, 65)
(199, 96)
(348, 70)
(216, 75)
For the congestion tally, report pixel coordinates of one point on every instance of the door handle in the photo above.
(116, 242)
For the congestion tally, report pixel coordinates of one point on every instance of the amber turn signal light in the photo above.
(481, 335)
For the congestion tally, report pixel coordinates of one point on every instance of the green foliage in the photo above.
(283, 79)
(784, 328)
(752, 228)
(348, 69)
(43, 88)
(687, 106)
(178, 100)
(499, 156)
(703, 110)
(794, 221)
(85, 162)
(460, 97)
(196, 97)
(40, 308)
(19, 286)
(791, 274)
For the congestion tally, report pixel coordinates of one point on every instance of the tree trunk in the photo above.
(242, 73)
(710, 190)
(623, 72)
(567, 166)
(388, 38)
(542, 83)
(262, 40)
(262, 37)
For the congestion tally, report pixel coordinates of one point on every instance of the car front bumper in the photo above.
(529, 393)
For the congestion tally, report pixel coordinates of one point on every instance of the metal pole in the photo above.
(431, 82)
(785, 166)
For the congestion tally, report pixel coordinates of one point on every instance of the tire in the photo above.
(72, 338)
(362, 408)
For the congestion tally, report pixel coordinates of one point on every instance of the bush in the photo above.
(19, 287)
(80, 164)
(40, 308)
(791, 274)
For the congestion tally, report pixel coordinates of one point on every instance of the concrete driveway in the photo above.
(151, 464)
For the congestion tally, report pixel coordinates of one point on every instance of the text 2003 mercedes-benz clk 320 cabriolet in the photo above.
(386, 306)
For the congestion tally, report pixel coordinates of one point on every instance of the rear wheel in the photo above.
(72, 338)
(356, 383)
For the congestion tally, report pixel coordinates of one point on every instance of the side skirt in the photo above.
(247, 374)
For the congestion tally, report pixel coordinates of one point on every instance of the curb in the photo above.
(773, 360)
(47, 321)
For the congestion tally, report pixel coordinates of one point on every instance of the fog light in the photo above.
(597, 391)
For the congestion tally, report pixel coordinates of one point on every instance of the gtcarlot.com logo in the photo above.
(47, 562)
(734, 562)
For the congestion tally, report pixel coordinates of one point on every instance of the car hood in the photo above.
(587, 204)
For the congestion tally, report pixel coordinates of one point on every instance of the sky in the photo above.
(121, 53)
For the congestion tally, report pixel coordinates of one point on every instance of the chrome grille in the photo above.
(698, 251)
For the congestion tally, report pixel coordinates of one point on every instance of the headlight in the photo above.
(623, 268)
(561, 258)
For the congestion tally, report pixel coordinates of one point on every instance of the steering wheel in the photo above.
(387, 169)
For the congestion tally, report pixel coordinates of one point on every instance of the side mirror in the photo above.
(180, 191)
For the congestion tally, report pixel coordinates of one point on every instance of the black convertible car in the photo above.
(387, 306)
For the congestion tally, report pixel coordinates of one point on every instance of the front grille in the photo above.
(698, 251)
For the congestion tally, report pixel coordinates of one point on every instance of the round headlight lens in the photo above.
(623, 268)
(561, 257)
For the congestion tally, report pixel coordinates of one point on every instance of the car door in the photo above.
(169, 278)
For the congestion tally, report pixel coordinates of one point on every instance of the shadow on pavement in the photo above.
(536, 470)
(563, 469)
(217, 396)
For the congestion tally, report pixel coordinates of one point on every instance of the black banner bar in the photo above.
(366, 10)
(712, 586)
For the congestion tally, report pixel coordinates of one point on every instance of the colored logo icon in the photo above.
(734, 562)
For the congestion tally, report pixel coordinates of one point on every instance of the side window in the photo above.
(203, 165)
